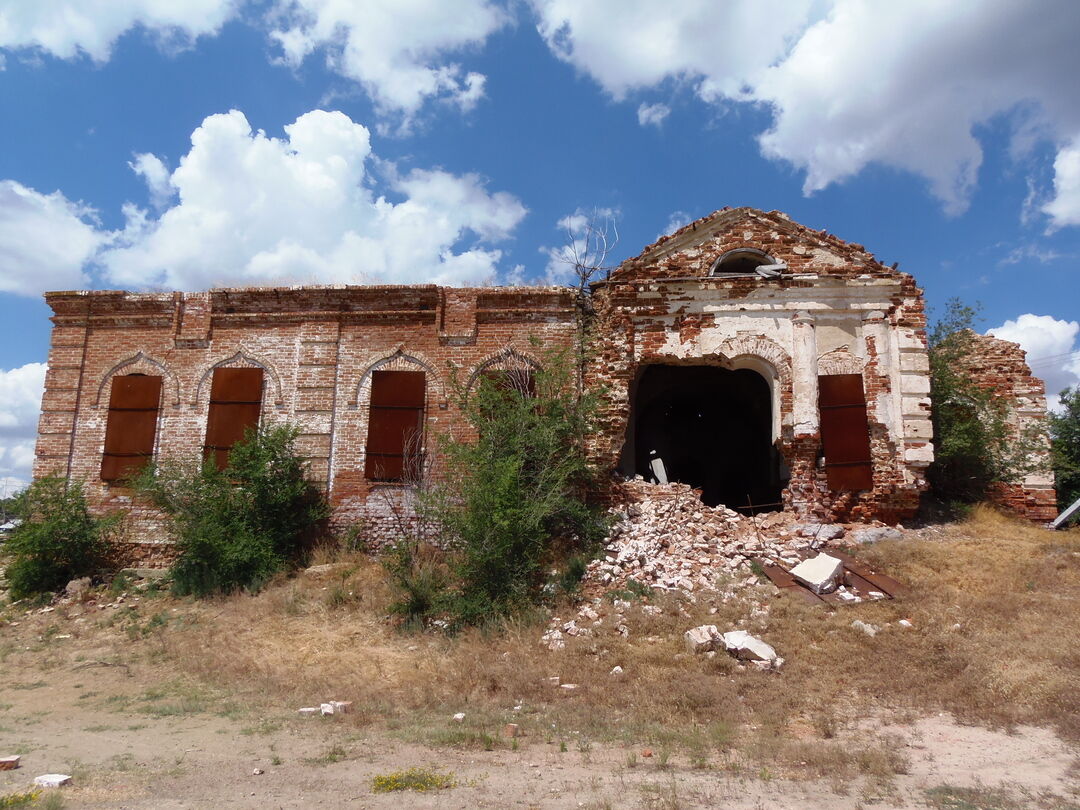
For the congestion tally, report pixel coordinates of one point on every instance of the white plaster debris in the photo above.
(905, 623)
(52, 780)
(821, 574)
(869, 629)
(702, 639)
(665, 538)
(746, 647)
(459, 717)
(616, 672)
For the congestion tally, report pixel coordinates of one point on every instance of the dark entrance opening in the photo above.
(710, 428)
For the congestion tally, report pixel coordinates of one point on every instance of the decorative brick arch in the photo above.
(141, 363)
(241, 359)
(745, 351)
(508, 358)
(839, 361)
(397, 359)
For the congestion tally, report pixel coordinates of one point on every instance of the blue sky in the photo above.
(158, 145)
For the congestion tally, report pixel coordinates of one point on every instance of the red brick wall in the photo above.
(1001, 366)
(318, 347)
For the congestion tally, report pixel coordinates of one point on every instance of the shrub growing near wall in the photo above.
(511, 501)
(1065, 443)
(58, 540)
(235, 528)
(974, 446)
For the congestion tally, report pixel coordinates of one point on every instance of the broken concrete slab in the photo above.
(77, 587)
(821, 574)
(702, 639)
(746, 647)
(875, 534)
(869, 629)
(52, 780)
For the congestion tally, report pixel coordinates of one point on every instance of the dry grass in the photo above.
(1013, 589)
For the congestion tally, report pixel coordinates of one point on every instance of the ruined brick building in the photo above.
(762, 361)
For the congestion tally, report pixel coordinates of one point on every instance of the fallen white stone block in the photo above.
(341, 706)
(820, 574)
(746, 647)
(52, 780)
(702, 639)
(326, 708)
(869, 629)
(308, 711)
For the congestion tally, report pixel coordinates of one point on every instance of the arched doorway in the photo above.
(708, 427)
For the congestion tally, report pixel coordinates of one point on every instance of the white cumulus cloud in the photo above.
(20, 404)
(45, 240)
(70, 28)
(653, 114)
(852, 83)
(1051, 346)
(1064, 208)
(398, 50)
(255, 209)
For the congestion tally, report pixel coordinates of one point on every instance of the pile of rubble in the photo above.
(665, 538)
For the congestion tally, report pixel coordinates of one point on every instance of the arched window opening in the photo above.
(746, 261)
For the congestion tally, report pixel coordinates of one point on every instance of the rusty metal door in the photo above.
(235, 405)
(395, 424)
(845, 434)
(131, 428)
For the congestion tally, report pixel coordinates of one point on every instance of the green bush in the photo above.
(1065, 441)
(236, 528)
(513, 500)
(974, 446)
(58, 540)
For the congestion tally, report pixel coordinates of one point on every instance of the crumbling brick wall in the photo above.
(317, 346)
(1001, 366)
(832, 310)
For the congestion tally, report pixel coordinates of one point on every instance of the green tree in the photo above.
(235, 528)
(513, 499)
(1065, 444)
(974, 445)
(58, 539)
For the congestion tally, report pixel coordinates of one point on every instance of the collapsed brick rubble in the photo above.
(665, 538)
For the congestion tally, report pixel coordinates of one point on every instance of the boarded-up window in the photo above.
(396, 424)
(235, 405)
(845, 436)
(132, 425)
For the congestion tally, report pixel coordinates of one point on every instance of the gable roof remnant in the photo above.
(692, 250)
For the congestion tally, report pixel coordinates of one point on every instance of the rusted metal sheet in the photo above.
(131, 427)
(881, 582)
(858, 575)
(395, 423)
(783, 580)
(235, 406)
(845, 436)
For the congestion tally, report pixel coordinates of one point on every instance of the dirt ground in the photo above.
(140, 739)
(149, 701)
